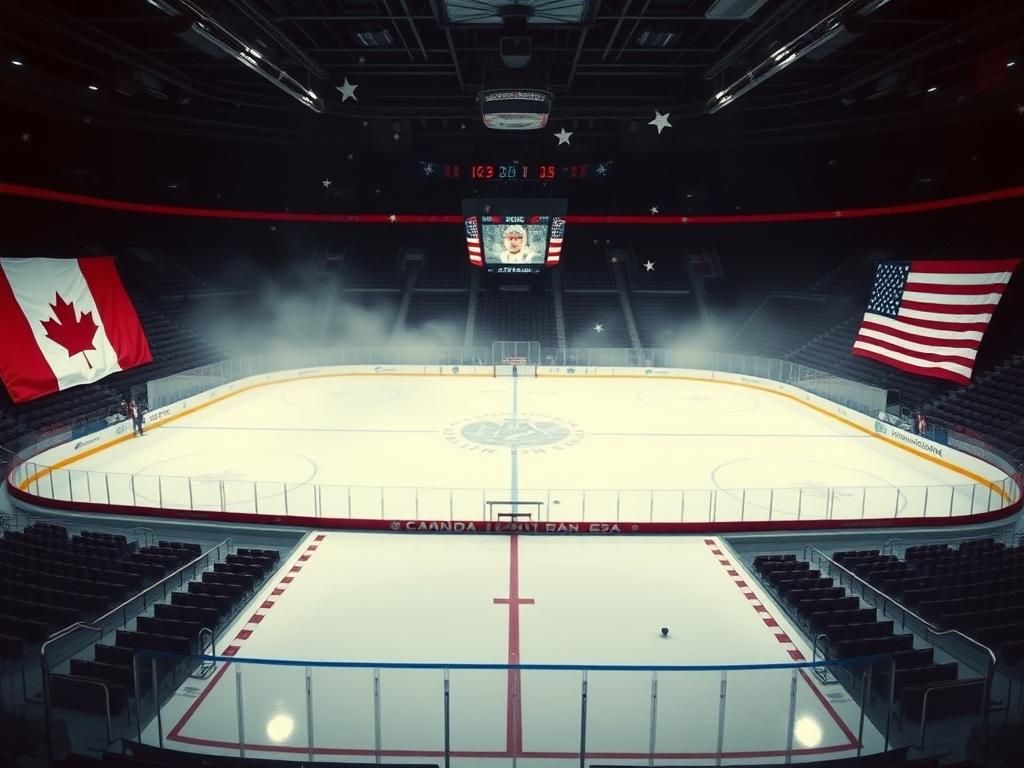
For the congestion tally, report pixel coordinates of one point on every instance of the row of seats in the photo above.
(977, 588)
(854, 631)
(175, 628)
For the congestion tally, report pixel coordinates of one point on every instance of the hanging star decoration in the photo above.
(392, 218)
(660, 121)
(327, 183)
(602, 169)
(428, 169)
(273, 227)
(563, 136)
(351, 156)
(361, 59)
(599, 328)
(654, 210)
(26, 137)
(396, 136)
(649, 265)
(487, 208)
(348, 91)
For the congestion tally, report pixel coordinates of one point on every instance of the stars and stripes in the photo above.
(473, 241)
(929, 317)
(555, 241)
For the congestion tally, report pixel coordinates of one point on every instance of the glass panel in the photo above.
(880, 502)
(757, 503)
(611, 506)
(366, 502)
(147, 490)
(551, 710)
(240, 496)
(275, 706)
(78, 481)
(206, 494)
(687, 717)
(667, 507)
(343, 708)
(698, 506)
(301, 499)
(175, 493)
(271, 498)
(618, 712)
(467, 504)
(412, 709)
(399, 503)
(481, 713)
(566, 505)
(97, 487)
(911, 502)
(334, 501)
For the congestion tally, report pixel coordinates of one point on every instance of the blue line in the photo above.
(539, 667)
(515, 456)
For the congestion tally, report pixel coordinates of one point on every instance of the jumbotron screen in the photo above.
(514, 236)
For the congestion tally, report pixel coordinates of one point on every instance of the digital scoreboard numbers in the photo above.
(515, 171)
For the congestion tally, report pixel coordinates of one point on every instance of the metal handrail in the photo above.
(226, 543)
(931, 630)
(945, 686)
(45, 671)
(97, 626)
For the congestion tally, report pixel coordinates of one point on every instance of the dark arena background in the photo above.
(474, 383)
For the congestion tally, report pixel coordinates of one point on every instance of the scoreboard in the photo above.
(515, 171)
(514, 236)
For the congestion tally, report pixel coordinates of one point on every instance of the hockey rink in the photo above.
(441, 448)
(374, 600)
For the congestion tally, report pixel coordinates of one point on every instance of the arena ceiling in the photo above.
(416, 67)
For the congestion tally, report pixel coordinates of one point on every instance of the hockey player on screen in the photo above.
(515, 250)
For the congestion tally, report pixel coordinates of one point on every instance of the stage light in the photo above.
(93, 87)
(17, 62)
(1010, 63)
(933, 88)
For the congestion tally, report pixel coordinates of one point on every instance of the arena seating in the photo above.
(854, 631)
(175, 628)
(977, 588)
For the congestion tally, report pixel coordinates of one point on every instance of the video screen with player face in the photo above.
(515, 239)
(514, 236)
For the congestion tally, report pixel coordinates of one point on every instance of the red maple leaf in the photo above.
(73, 333)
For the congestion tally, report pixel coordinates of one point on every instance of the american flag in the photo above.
(928, 317)
(555, 241)
(473, 240)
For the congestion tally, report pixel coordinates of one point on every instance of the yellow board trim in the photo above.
(979, 479)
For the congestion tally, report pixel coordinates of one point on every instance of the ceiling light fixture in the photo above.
(932, 88)
(17, 62)
(93, 87)
(812, 38)
(215, 33)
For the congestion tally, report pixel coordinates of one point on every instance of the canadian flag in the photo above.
(65, 322)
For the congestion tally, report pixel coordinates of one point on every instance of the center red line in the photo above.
(514, 702)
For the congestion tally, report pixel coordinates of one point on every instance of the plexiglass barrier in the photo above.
(495, 714)
(270, 497)
(591, 505)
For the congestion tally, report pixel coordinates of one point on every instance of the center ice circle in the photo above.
(503, 430)
(515, 432)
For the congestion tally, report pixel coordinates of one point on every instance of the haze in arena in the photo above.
(478, 384)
